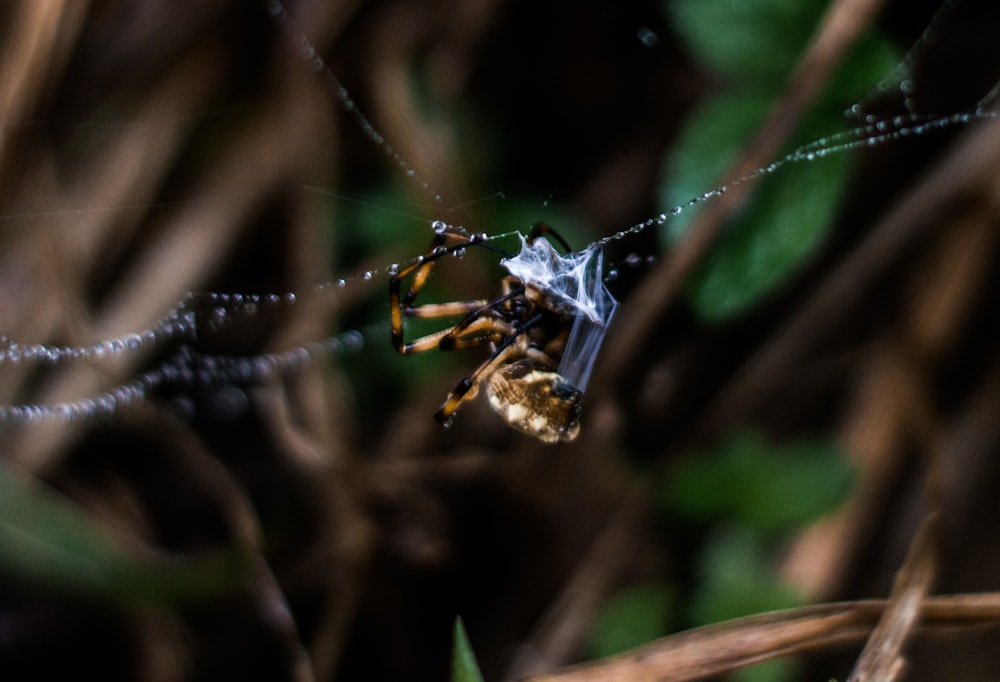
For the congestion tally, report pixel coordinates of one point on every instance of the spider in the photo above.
(543, 331)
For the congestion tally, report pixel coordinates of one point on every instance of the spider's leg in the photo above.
(475, 329)
(420, 271)
(481, 325)
(512, 346)
(433, 340)
(544, 230)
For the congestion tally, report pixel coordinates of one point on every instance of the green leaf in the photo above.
(737, 579)
(780, 228)
(776, 670)
(463, 660)
(631, 618)
(755, 44)
(782, 222)
(49, 542)
(751, 41)
(772, 488)
(706, 148)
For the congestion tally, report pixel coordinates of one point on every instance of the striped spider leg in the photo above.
(526, 331)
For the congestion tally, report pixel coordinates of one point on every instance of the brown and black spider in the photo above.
(543, 331)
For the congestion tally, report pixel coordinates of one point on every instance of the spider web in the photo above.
(577, 280)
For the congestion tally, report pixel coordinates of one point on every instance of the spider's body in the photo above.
(527, 330)
(536, 400)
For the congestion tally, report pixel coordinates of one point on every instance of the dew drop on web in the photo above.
(648, 37)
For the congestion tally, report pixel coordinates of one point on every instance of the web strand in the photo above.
(200, 315)
(309, 53)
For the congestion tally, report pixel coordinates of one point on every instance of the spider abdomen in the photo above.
(536, 400)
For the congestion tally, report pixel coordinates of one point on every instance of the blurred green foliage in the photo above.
(747, 496)
(50, 543)
(750, 496)
(464, 667)
(630, 618)
(752, 47)
(766, 487)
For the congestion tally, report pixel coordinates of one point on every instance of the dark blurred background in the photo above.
(153, 149)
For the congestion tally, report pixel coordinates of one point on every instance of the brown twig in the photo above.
(715, 649)
(882, 657)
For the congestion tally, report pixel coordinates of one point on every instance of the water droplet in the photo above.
(368, 276)
(341, 283)
(88, 407)
(352, 341)
(648, 37)
(458, 253)
(633, 260)
(611, 275)
(393, 269)
(439, 226)
(105, 404)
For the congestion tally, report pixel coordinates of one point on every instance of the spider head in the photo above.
(536, 400)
